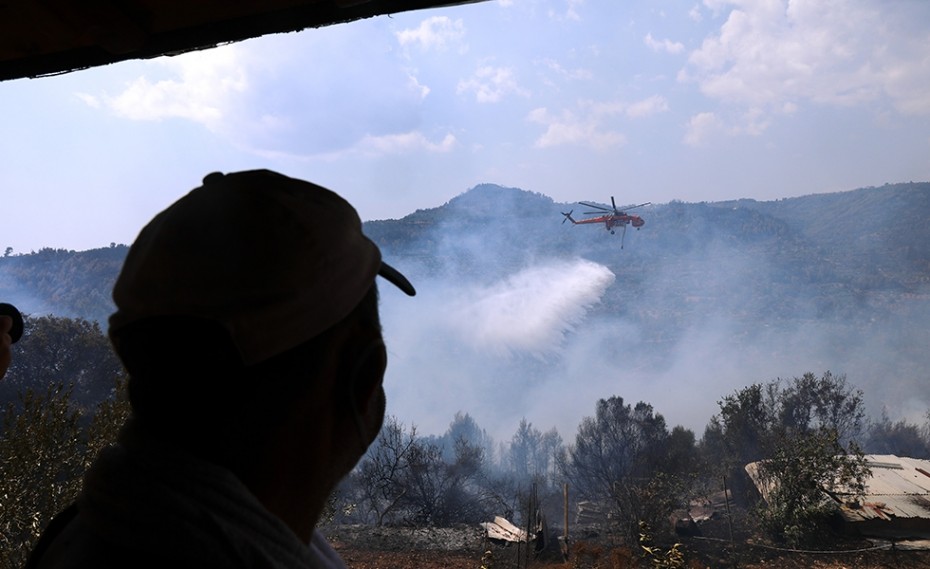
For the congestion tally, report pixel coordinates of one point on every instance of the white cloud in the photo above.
(647, 107)
(274, 96)
(415, 84)
(695, 13)
(569, 128)
(591, 124)
(754, 122)
(665, 45)
(842, 52)
(572, 12)
(405, 143)
(574, 74)
(700, 127)
(434, 33)
(569, 13)
(90, 100)
(205, 81)
(491, 84)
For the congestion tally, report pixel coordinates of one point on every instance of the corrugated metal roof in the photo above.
(898, 488)
(896, 501)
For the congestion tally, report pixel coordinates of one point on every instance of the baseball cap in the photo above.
(275, 260)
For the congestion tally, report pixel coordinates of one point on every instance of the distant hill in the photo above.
(824, 249)
(821, 248)
(708, 297)
(881, 232)
(713, 293)
(73, 284)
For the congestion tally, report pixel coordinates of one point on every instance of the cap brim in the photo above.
(397, 279)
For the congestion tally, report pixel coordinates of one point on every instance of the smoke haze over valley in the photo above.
(520, 316)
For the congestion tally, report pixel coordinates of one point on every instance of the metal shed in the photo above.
(896, 502)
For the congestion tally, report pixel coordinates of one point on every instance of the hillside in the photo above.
(75, 284)
(851, 258)
(706, 297)
(868, 239)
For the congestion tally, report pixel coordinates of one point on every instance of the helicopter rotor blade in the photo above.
(628, 207)
(595, 206)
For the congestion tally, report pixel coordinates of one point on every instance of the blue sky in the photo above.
(576, 99)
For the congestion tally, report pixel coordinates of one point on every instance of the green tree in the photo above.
(897, 437)
(48, 437)
(826, 402)
(464, 427)
(46, 446)
(805, 470)
(532, 453)
(41, 464)
(621, 455)
(70, 351)
(801, 435)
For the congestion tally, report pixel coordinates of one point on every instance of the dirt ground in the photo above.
(364, 547)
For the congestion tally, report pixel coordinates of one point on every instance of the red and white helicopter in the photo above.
(610, 216)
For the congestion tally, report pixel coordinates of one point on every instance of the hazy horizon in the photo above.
(683, 100)
(504, 329)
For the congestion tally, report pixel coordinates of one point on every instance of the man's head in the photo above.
(248, 293)
(274, 260)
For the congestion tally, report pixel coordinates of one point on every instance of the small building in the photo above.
(895, 504)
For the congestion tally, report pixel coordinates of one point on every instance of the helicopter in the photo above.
(611, 217)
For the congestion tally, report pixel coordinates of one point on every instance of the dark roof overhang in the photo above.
(48, 37)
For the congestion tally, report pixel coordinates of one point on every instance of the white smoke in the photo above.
(531, 311)
(480, 349)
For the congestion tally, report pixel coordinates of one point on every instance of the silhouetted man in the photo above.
(247, 318)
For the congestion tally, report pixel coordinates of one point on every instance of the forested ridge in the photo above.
(848, 243)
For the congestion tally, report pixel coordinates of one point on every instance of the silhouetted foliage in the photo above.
(805, 467)
(900, 437)
(464, 428)
(71, 351)
(405, 479)
(532, 454)
(50, 435)
(42, 458)
(620, 455)
(802, 434)
(379, 479)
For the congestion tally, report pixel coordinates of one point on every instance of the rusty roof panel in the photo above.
(899, 489)
(896, 500)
